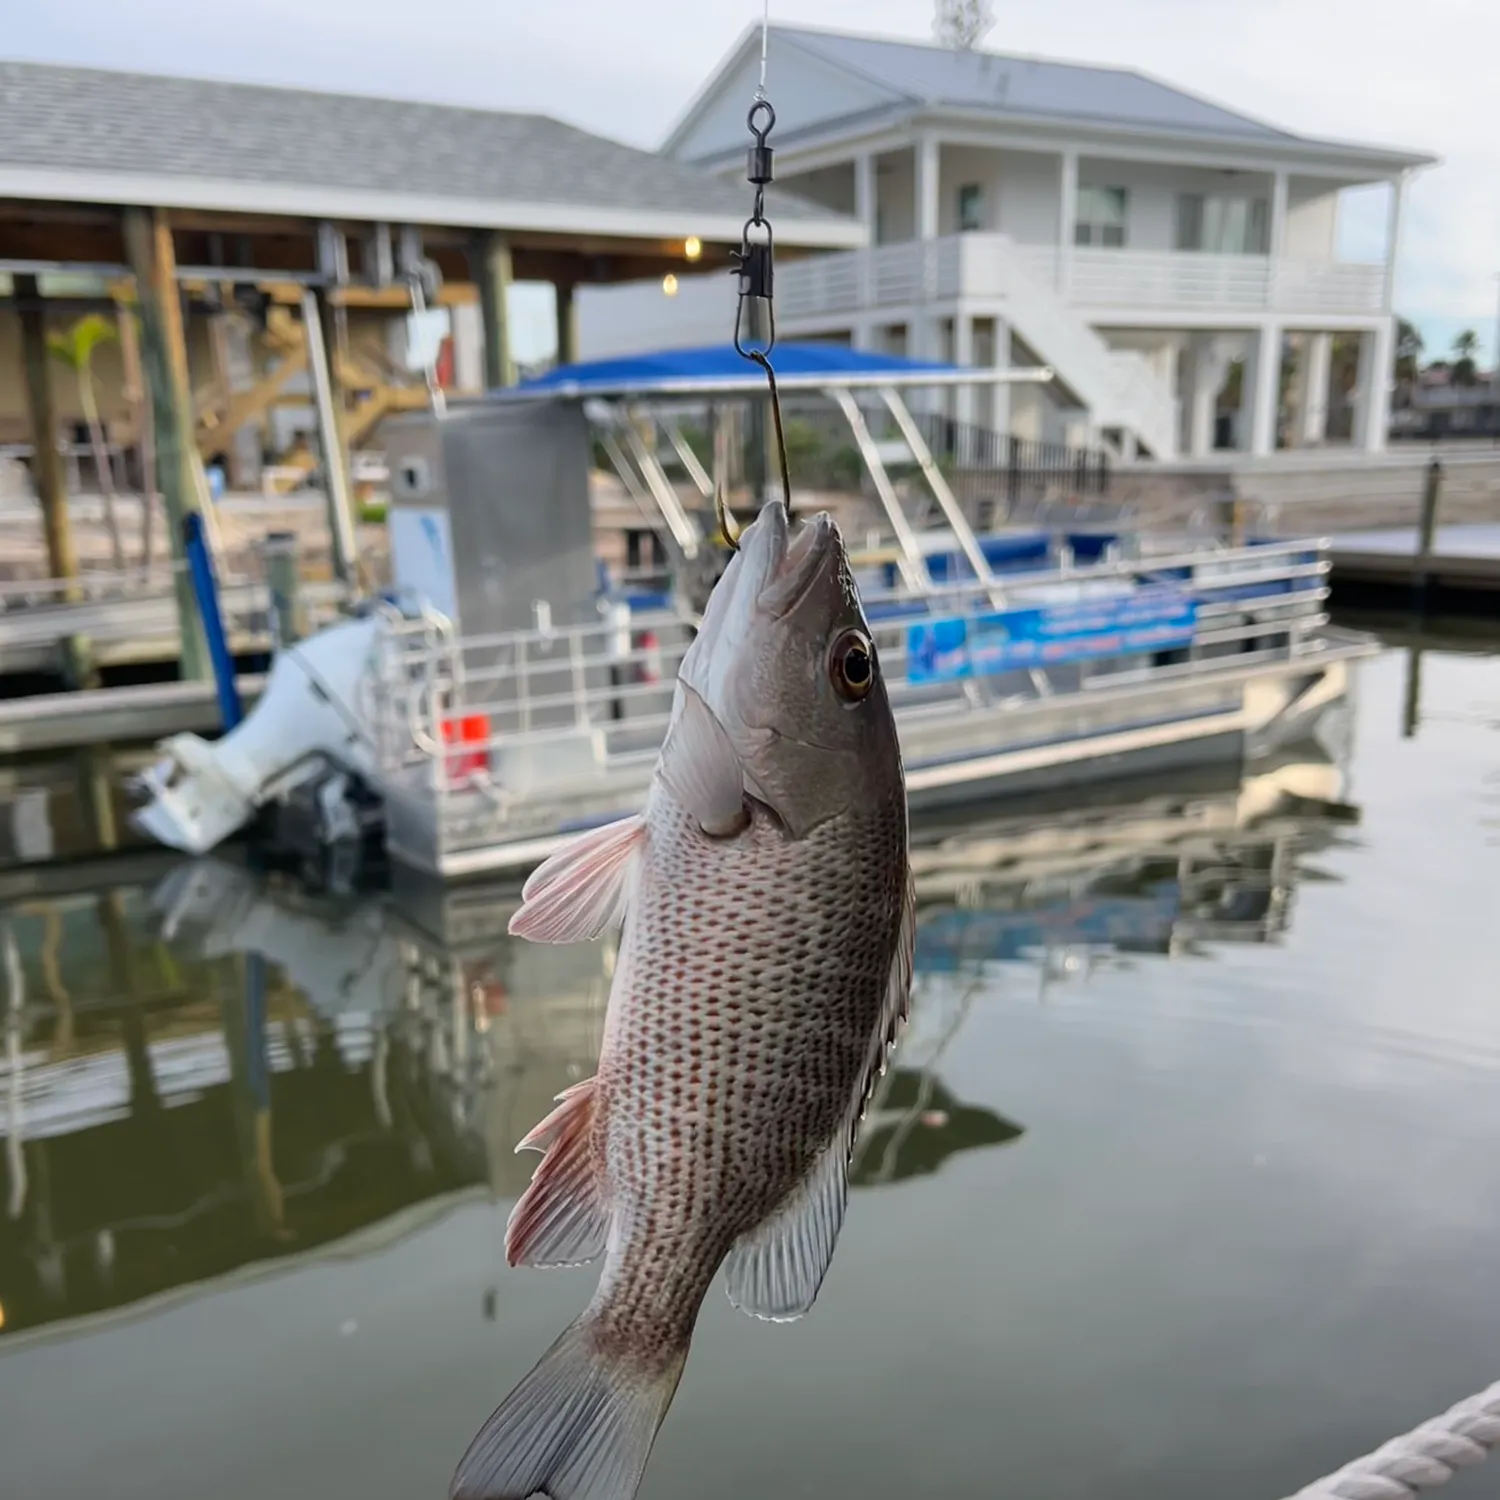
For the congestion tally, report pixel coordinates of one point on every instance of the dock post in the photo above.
(148, 244)
(47, 469)
(494, 273)
(283, 580)
(1432, 494)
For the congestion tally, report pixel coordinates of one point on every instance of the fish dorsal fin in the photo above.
(701, 766)
(775, 1271)
(579, 893)
(561, 1219)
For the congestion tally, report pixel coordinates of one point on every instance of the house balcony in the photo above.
(1103, 285)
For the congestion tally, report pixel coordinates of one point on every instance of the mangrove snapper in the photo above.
(764, 968)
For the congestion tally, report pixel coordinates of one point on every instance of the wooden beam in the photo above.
(47, 460)
(148, 243)
(494, 272)
(246, 406)
(567, 323)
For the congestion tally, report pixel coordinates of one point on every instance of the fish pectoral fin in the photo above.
(700, 764)
(774, 1272)
(579, 892)
(561, 1219)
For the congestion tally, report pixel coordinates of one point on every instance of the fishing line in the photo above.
(756, 257)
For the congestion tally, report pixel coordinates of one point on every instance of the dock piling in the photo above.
(148, 242)
(1432, 494)
(282, 579)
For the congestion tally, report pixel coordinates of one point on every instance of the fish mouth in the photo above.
(794, 560)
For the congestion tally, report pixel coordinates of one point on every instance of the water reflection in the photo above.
(212, 1070)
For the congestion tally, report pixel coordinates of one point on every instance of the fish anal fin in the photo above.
(579, 892)
(774, 1272)
(561, 1219)
(700, 764)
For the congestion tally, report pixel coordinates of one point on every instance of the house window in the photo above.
(1101, 216)
(1223, 224)
(970, 207)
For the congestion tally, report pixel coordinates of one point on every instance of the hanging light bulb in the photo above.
(669, 285)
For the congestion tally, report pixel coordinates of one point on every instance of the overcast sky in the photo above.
(1391, 72)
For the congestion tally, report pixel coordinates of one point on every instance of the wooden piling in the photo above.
(494, 272)
(47, 462)
(148, 244)
(48, 473)
(567, 323)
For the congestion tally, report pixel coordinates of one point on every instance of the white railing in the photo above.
(504, 735)
(982, 265)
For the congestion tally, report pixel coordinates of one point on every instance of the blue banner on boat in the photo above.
(1149, 619)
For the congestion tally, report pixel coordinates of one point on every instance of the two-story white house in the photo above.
(1157, 250)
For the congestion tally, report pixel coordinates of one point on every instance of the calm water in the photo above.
(1185, 1184)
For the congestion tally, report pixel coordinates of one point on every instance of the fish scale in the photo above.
(771, 1012)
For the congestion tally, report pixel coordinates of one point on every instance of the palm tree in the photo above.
(75, 348)
(1466, 345)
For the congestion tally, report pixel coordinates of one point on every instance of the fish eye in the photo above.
(852, 665)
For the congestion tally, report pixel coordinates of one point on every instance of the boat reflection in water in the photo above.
(204, 1076)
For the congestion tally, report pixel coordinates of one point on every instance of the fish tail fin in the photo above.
(580, 1426)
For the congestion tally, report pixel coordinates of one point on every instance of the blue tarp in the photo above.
(724, 362)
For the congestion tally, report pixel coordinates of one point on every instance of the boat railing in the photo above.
(508, 734)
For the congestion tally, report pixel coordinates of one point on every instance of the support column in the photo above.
(567, 323)
(1266, 388)
(1393, 241)
(328, 401)
(1210, 363)
(1372, 416)
(963, 356)
(1312, 392)
(148, 244)
(46, 461)
(866, 191)
(927, 187)
(1067, 220)
(867, 211)
(494, 274)
(1280, 186)
(1000, 397)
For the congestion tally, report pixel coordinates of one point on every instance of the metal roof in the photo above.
(913, 76)
(86, 133)
(932, 74)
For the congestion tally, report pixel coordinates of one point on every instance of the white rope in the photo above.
(1419, 1460)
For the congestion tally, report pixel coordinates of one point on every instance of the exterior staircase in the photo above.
(988, 274)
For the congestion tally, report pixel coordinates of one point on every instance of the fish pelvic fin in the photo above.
(776, 1270)
(580, 892)
(580, 1426)
(561, 1219)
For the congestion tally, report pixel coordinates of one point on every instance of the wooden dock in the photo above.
(1388, 568)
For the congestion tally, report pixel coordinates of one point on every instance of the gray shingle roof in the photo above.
(102, 122)
(932, 74)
